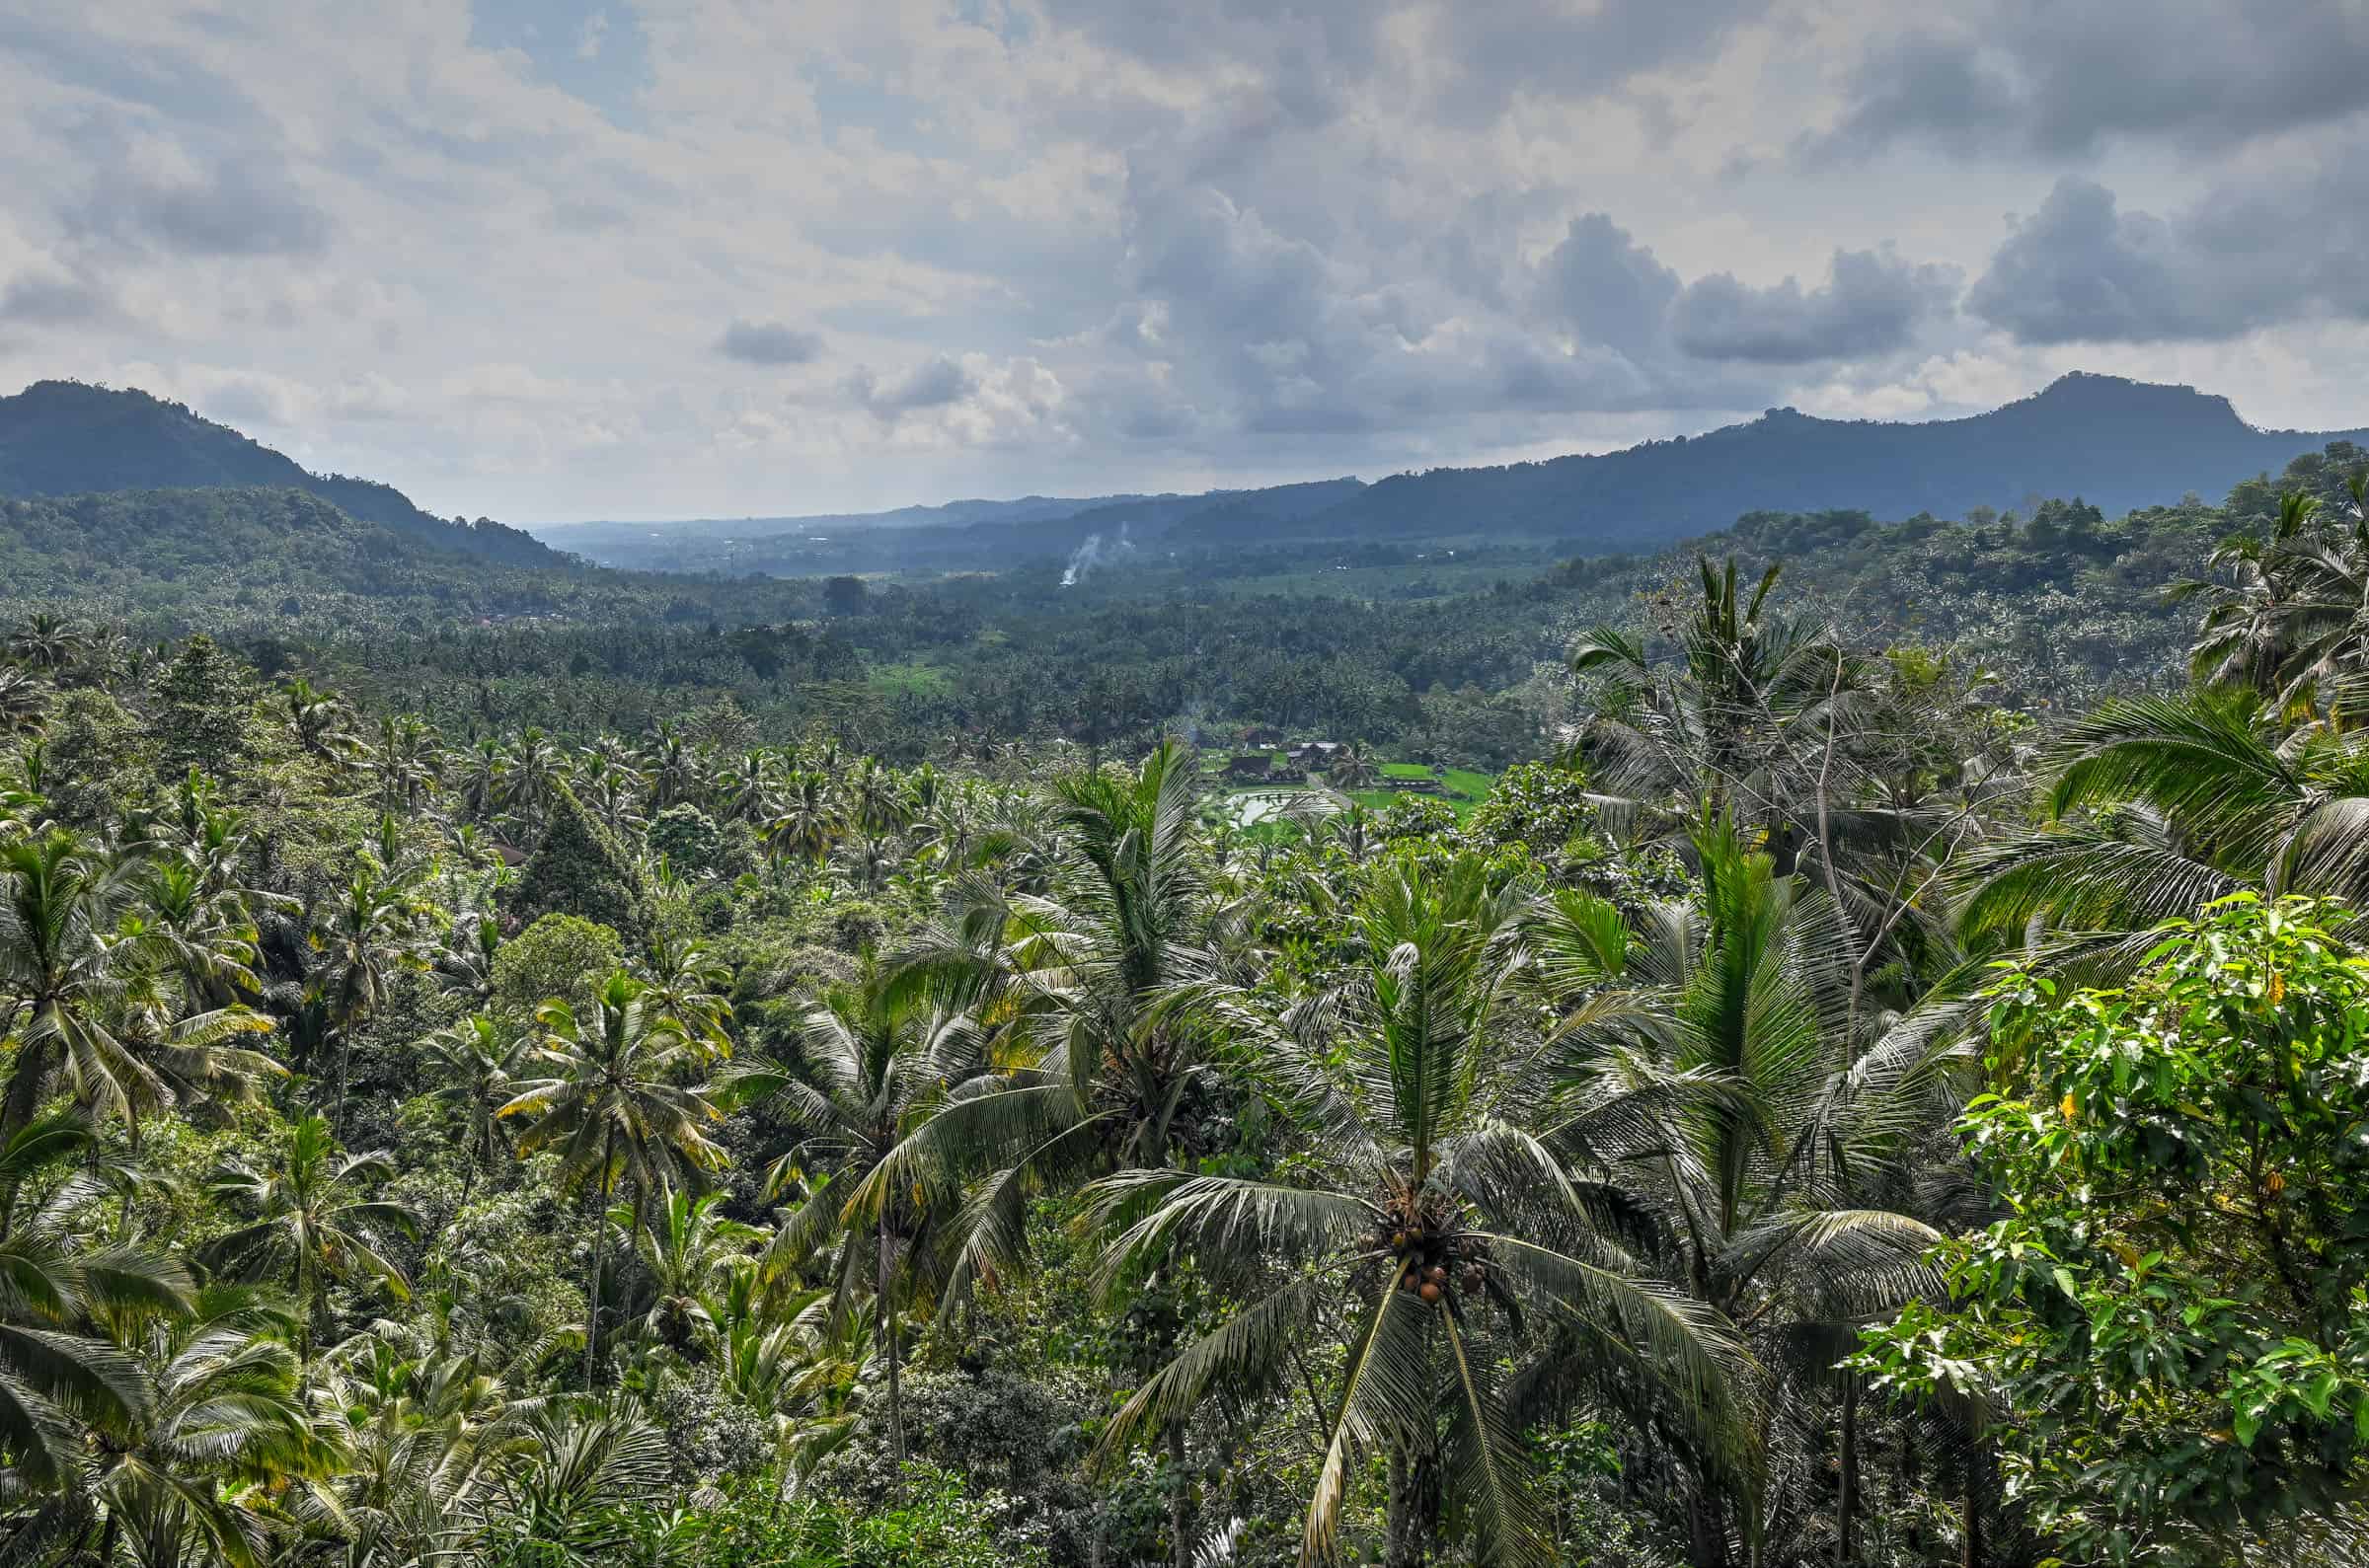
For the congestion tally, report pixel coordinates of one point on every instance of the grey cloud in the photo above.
(933, 384)
(1270, 335)
(2269, 251)
(39, 301)
(768, 344)
(1873, 303)
(2079, 271)
(2043, 77)
(249, 205)
(1609, 289)
(1570, 50)
(1307, 50)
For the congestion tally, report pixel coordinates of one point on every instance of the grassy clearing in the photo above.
(920, 680)
(1466, 787)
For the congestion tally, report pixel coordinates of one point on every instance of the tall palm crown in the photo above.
(313, 1216)
(1717, 725)
(2289, 611)
(378, 928)
(406, 761)
(24, 702)
(807, 821)
(1097, 1077)
(224, 1406)
(59, 1290)
(877, 1055)
(62, 960)
(321, 724)
(1763, 1128)
(46, 641)
(2158, 806)
(1434, 1220)
(477, 1063)
(615, 1104)
(1828, 755)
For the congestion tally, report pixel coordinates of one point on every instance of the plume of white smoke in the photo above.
(1093, 555)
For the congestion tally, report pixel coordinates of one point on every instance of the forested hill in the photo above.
(68, 438)
(2118, 444)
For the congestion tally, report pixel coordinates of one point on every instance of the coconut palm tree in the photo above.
(427, 1426)
(379, 927)
(1771, 1132)
(310, 1215)
(876, 1055)
(613, 791)
(59, 1370)
(809, 822)
(24, 702)
(531, 769)
(62, 965)
(473, 1068)
(1098, 1078)
(2287, 612)
(224, 1410)
(406, 761)
(877, 802)
(46, 641)
(685, 982)
(204, 936)
(154, 1057)
(614, 1107)
(484, 778)
(686, 1250)
(1432, 1217)
(2155, 806)
(321, 724)
(1352, 767)
(584, 1465)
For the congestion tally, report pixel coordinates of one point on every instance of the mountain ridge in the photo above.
(62, 438)
(2113, 442)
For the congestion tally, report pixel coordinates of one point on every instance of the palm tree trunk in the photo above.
(301, 1284)
(1179, 1499)
(1707, 1531)
(600, 1257)
(1847, 1505)
(1397, 1546)
(888, 1326)
(1977, 1466)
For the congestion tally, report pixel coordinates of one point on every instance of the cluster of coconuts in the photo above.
(1424, 1260)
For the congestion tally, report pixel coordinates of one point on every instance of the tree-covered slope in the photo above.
(2123, 444)
(67, 438)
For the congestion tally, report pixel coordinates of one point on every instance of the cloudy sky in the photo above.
(564, 258)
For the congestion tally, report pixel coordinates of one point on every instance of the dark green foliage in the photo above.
(201, 720)
(578, 868)
(688, 838)
(560, 955)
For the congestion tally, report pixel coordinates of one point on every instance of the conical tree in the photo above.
(578, 868)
